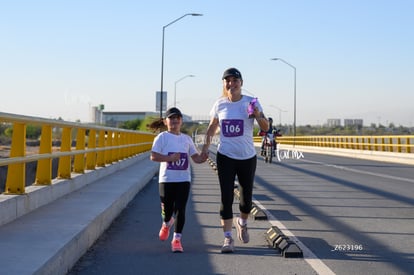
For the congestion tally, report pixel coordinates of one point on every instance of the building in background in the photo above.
(114, 119)
(334, 122)
(96, 114)
(353, 122)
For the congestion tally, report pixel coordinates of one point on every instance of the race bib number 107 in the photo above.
(181, 164)
(232, 127)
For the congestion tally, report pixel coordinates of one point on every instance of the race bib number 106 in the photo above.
(232, 127)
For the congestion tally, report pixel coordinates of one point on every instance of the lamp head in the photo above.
(196, 14)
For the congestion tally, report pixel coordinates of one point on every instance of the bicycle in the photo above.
(269, 148)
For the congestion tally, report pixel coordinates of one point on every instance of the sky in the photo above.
(353, 59)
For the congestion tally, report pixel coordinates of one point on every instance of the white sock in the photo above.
(177, 236)
(169, 222)
(242, 222)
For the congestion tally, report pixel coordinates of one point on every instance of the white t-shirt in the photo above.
(166, 143)
(236, 128)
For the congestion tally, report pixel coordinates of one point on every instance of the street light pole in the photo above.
(162, 55)
(175, 87)
(294, 94)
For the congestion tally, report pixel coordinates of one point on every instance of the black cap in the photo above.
(173, 111)
(232, 72)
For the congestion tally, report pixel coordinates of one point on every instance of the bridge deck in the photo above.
(131, 246)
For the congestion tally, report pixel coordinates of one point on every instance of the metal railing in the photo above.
(94, 146)
(396, 143)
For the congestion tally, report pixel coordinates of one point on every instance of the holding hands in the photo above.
(200, 158)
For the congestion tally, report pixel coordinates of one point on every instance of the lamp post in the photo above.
(294, 94)
(162, 55)
(175, 87)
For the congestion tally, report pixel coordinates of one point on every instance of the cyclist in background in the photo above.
(272, 130)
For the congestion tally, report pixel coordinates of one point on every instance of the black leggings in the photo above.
(245, 170)
(174, 196)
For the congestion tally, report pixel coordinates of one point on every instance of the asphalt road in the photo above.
(349, 216)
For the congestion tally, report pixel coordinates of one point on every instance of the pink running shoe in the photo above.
(165, 229)
(176, 246)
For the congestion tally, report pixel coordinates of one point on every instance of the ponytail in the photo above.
(157, 125)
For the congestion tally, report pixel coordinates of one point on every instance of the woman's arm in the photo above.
(261, 120)
(211, 131)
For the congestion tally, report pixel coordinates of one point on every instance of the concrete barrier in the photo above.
(15, 206)
(51, 237)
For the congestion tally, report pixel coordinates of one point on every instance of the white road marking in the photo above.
(360, 171)
(308, 255)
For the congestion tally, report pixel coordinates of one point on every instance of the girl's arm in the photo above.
(164, 158)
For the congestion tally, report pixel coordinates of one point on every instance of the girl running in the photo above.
(172, 149)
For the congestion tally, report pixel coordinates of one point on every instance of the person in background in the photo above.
(272, 130)
(173, 150)
(236, 154)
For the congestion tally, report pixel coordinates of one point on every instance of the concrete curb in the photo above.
(15, 206)
(52, 238)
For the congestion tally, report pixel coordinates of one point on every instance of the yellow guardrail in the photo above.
(396, 143)
(95, 146)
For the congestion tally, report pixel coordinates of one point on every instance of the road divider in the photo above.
(286, 247)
